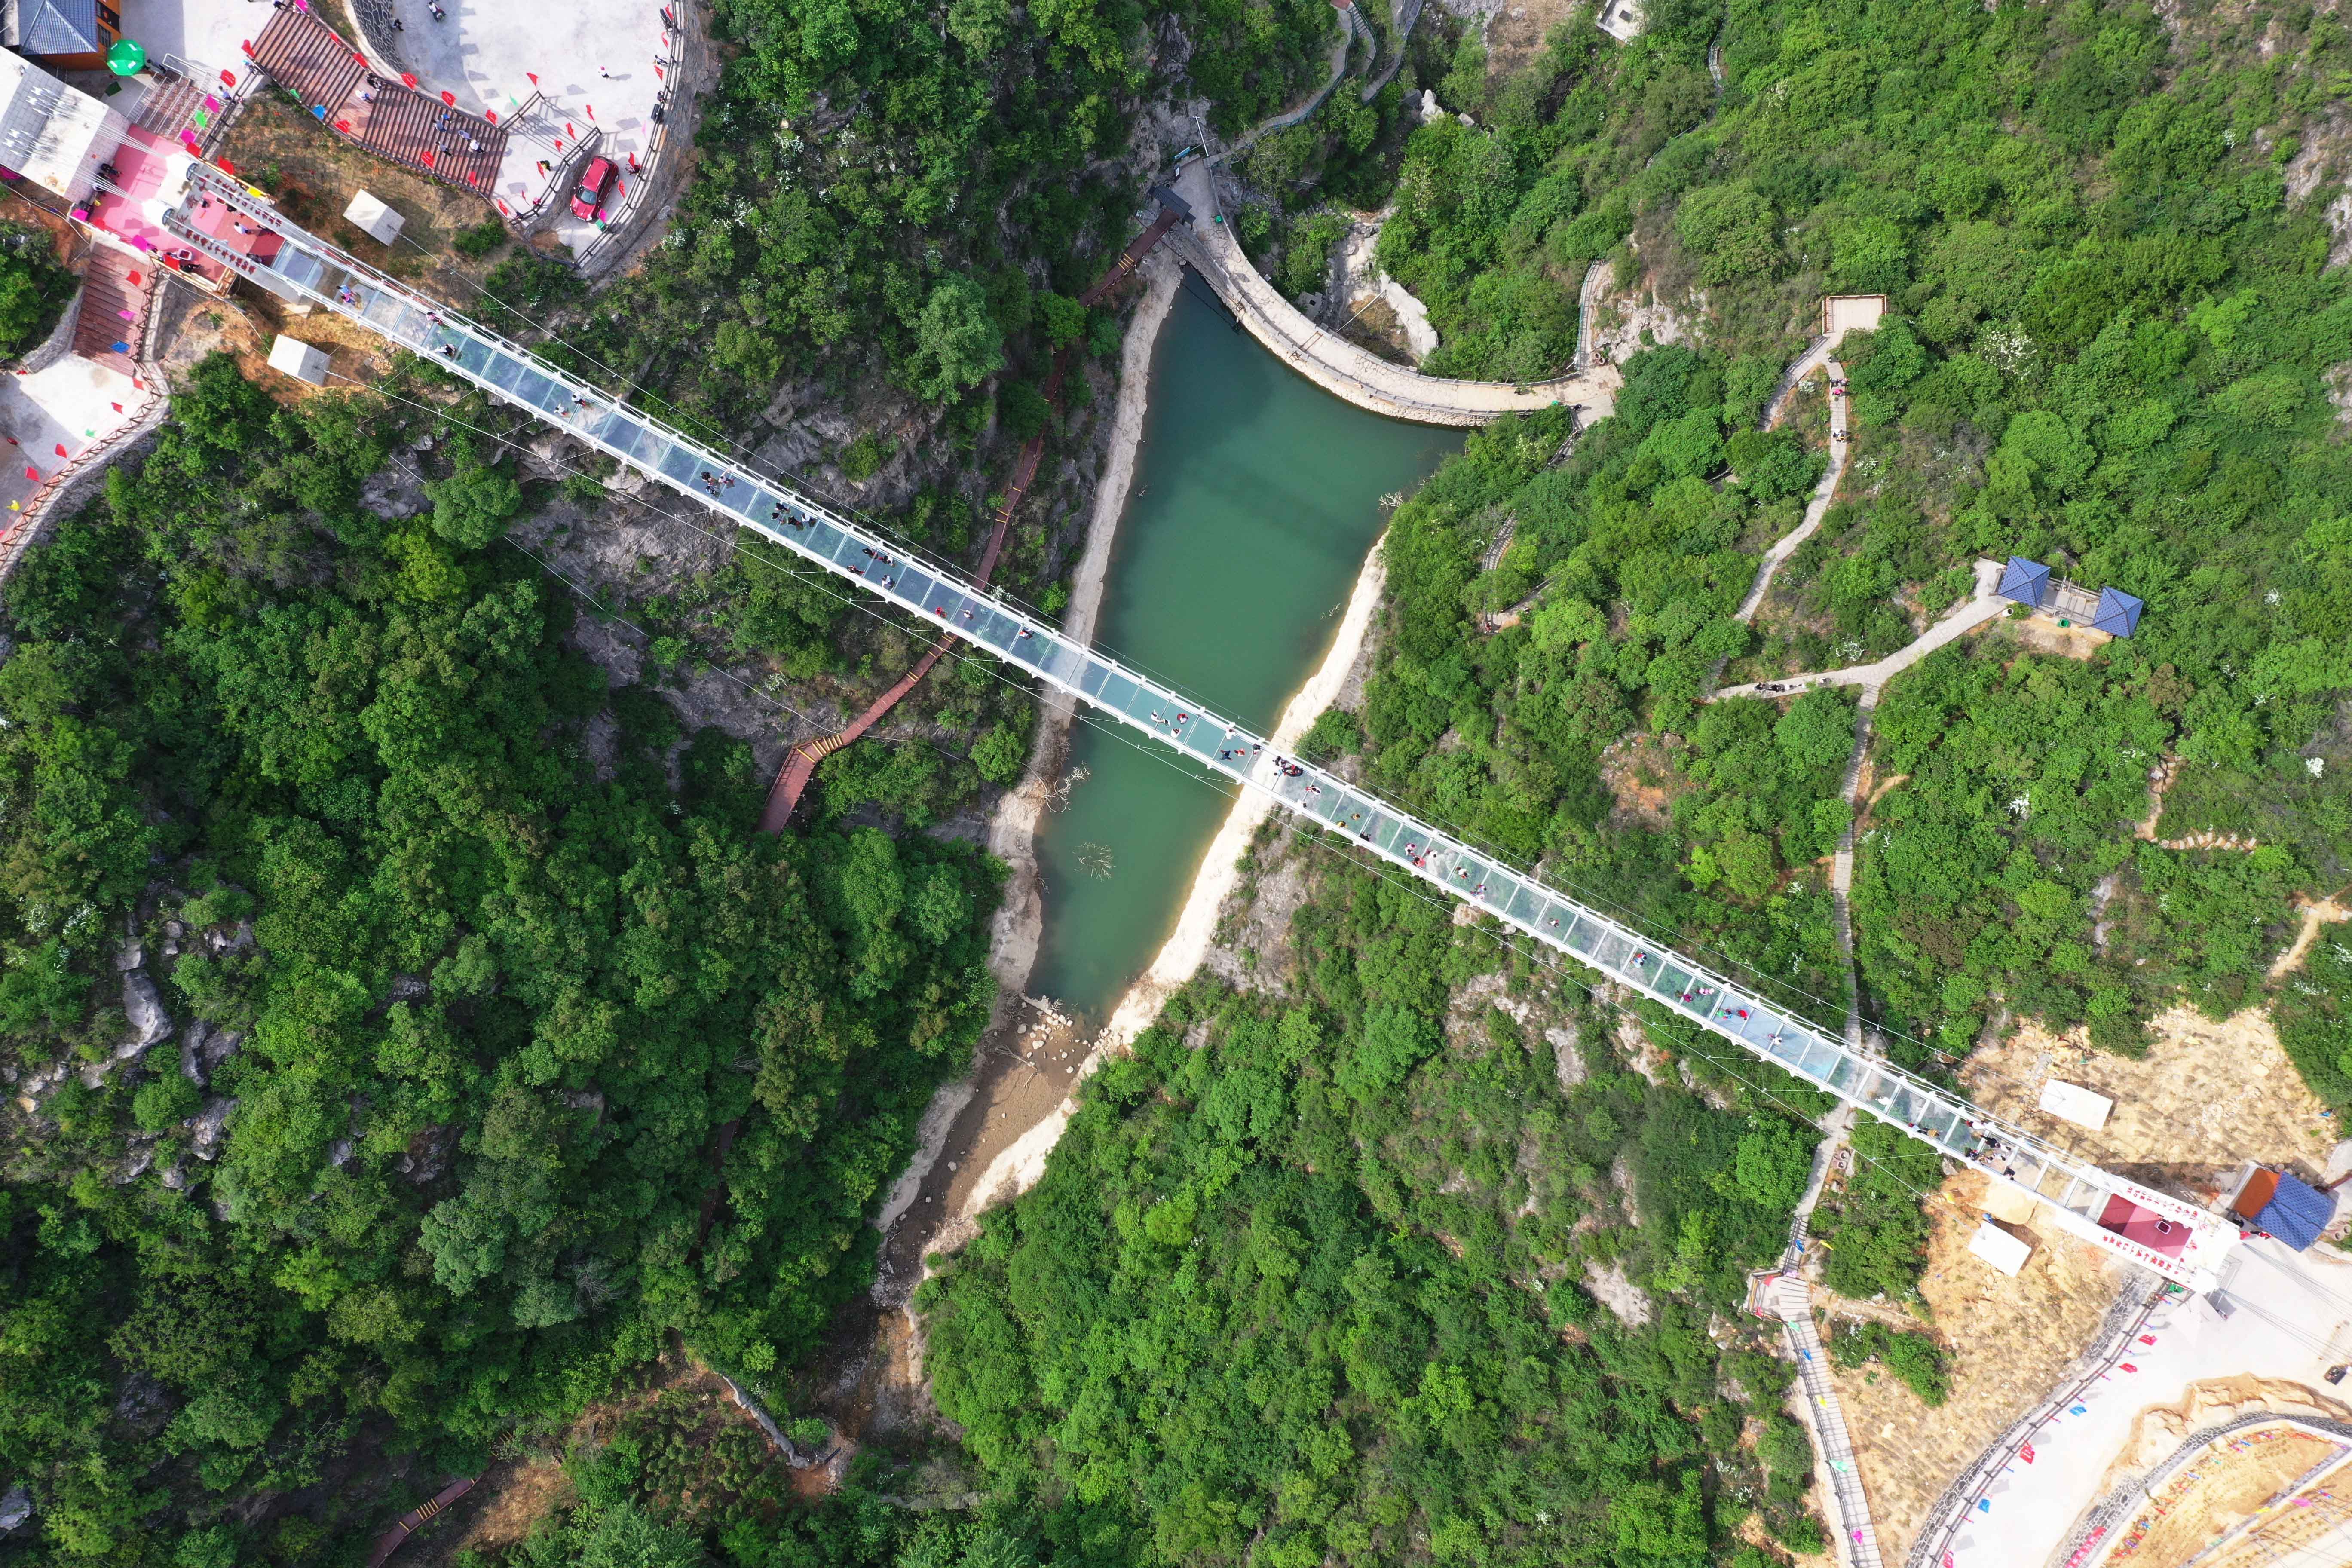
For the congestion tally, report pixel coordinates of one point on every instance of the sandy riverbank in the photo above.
(1019, 1165)
(969, 1121)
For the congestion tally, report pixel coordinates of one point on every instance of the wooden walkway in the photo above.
(314, 62)
(800, 765)
(116, 294)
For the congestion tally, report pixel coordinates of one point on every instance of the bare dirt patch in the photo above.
(1640, 775)
(312, 173)
(2207, 1098)
(2214, 1485)
(517, 1492)
(2035, 635)
(1516, 34)
(2006, 1340)
(2315, 917)
(2229, 1485)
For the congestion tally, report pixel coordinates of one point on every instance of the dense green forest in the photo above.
(2109, 336)
(415, 1034)
(1304, 1278)
(418, 1041)
(2108, 354)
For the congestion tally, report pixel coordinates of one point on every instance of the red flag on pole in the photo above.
(229, 79)
(592, 112)
(358, 59)
(534, 77)
(134, 281)
(116, 406)
(506, 209)
(568, 131)
(428, 158)
(61, 449)
(31, 472)
(245, 44)
(448, 97)
(491, 115)
(344, 126)
(472, 177)
(227, 168)
(409, 78)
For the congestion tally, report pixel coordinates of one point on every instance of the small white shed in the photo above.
(2075, 1104)
(369, 215)
(303, 362)
(1998, 1247)
(1620, 19)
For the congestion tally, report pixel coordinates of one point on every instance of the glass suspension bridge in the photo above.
(2164, 1235)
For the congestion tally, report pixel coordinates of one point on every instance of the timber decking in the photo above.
(312, 60)
(108, 292)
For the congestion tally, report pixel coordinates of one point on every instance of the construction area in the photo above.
(2075, 1377)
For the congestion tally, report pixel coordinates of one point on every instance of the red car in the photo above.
(595, 181)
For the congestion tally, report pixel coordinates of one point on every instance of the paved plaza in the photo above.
(74, 404)
(595, 61)
(2290, 1319)
(570, 82)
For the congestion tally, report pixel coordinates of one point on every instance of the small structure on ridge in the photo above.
(2109, 610)
(303, 362)
(370, 216)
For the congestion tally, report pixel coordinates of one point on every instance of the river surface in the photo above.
(1255, 499)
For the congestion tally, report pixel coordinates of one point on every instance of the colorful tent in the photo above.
(2296, 1214)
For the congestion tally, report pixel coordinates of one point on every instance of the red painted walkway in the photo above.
(800, 765)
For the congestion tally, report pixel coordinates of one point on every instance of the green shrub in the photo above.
(480, 240)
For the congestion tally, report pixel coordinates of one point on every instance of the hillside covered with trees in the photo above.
(2116, 342)
(418, 1034)
(419, 1041)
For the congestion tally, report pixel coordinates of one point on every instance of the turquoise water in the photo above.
(1257, 498)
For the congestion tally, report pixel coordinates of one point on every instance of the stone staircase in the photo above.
(314, 62)
(116, 294)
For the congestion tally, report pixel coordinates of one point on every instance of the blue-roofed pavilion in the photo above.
(2024, 581)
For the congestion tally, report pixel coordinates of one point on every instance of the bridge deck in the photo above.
(2077, 1193)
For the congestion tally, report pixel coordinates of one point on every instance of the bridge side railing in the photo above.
(936, 594)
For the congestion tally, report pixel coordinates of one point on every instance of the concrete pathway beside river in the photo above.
(1341, 368)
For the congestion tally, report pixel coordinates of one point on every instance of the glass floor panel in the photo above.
(530, 384)
(503, 371)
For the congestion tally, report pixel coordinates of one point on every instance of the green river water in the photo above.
(1256, 497)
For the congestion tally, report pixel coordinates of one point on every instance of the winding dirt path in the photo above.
(1815, 358)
